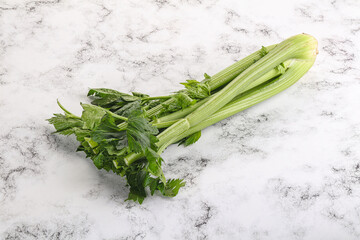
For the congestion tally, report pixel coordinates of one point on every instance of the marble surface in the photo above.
(288, 168)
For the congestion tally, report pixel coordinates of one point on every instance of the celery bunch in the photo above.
(127, 133)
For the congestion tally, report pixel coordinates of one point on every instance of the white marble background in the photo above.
(288, 168)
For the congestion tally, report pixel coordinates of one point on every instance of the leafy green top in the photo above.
(107, 144)
(117, 124)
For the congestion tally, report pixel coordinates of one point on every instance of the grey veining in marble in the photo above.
(288, 168)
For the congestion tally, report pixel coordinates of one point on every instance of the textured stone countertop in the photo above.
(288, 168)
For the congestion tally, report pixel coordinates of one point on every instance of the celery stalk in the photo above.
(223, 77)
(302, 48)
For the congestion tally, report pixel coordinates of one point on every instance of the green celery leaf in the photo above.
(181, 101)
(129, 98)
(172, 187)
(65, 125)
(107, 129)
(99, 160)
(140, 134)
(104, 96)
(197, 90)
(184, 100)
(135, 197)
(152, 183)
(81, 134)
(111, 140)
(190, 139)
(129, 109)
(104, 161)
(114, 147)
(153, 103)
(92, 115)
(104, 92)
(281, 68)
(137, 182)
(263, 51)
(207, 76)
